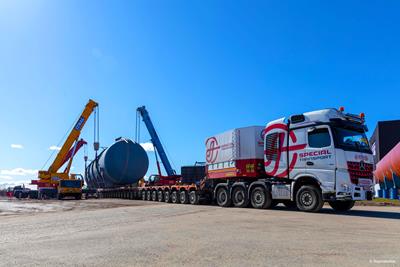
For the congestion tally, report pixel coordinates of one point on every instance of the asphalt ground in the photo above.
(112, 232)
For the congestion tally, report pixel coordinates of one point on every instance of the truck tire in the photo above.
(289, 204)
(154, 195)
(309, 198)
(260, 198)
(148, 195)
(183, 197)
(239, 197)
(143, 195)
(167, 196)
(160, 196)
(342, 205)
(174, 197)
(194, 198)
(223, 197)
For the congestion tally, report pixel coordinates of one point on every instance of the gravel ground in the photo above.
(111, 232)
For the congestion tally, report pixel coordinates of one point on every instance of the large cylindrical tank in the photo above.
(123, 163)
(388, 169)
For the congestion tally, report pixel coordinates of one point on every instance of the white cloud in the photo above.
(17, 146)
(148, 146)
(5, 177)
(55, 148)
(18, 172)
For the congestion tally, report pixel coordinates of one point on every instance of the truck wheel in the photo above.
(193, 198)
(289, 204)
(174, 197)
(260, 198)
(148, 195)
(223, 198)
(167, 196)
(183, 197)
(309, 198)
(239, 197)
(342, 205)
(160, 196)
(154, 195)
(143, 195)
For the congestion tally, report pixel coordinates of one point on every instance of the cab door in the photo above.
(319, 156)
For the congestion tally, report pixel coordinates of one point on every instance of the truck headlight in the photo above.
(345, 187)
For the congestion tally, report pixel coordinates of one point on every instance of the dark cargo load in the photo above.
(386, 135)
(193, 174)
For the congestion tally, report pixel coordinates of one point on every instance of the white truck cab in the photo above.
(319, 156)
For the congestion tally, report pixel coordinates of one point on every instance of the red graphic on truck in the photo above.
(212, 148)
(274, 153)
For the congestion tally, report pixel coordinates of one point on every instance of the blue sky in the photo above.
(200, 67)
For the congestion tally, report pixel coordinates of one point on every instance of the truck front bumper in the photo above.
(355, 193)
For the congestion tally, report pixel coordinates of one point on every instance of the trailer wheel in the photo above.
(143, 195)
(148, 195)
(183, 197)
(342, 205)
(260, 198)
(174, 197)
(78, 197)
(239, 197)
(160, 196)
(167, 196)
(154, 195)
(223, 198)
(193, 198)
(309, 198)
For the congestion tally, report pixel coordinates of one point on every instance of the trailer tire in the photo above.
(154, 195)
(309, 198)
(167, 196)
(261, 198)
(341, 206)
(160, 196)
(78, 197)
(183, 197)
(223, 197)
(148, 195)
(194, 198)
(239, 197)
(143, 195)
(174, 197)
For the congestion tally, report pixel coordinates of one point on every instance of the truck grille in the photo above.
(359, 170)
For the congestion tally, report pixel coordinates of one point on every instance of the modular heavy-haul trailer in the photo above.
(302, 161)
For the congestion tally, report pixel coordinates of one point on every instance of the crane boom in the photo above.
(71, 139)
(156, 140)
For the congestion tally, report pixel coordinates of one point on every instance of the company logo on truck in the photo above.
(212, 148)
(272, 165)
(316, 155)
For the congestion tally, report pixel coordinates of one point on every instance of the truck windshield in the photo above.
(71, 183)
(351, 139)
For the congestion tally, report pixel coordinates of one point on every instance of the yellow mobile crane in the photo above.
(67, 184)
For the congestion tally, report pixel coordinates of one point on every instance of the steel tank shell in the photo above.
(389, 165)
(123, 163)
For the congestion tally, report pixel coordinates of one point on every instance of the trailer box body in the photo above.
(236, 153)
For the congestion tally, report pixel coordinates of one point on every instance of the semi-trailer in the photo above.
(302, 161)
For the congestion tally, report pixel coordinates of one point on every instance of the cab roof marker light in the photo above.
(341, 109)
